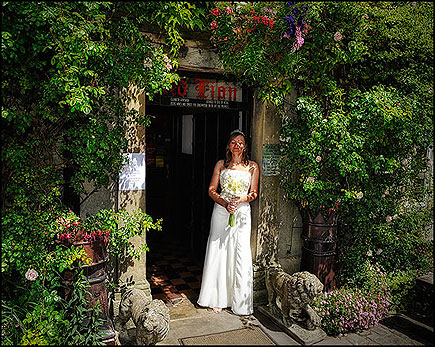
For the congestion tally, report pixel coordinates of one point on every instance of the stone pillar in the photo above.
(132, 272)
(276, 223)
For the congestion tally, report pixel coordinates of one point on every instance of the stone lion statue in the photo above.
(151, 317)
(295, 293)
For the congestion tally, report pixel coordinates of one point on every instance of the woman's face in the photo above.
(237, 144)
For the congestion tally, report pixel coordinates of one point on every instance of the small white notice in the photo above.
(132, 176)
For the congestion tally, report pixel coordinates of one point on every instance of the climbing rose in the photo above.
(31, 274)
(337, 36)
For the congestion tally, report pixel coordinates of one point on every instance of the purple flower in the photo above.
(289, 19)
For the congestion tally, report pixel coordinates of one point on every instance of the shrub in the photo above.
(350, 309)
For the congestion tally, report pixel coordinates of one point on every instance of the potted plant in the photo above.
(90, 241)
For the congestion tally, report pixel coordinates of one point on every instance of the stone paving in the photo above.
(188, 320)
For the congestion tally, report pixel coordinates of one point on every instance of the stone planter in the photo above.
(319, 248)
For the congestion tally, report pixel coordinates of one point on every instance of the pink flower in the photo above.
(337, 36)
(359, 195)
(213, 25)
(318, 158)
(366, 16)
(286, 35)
(299, 39)
(31, 274)
(388, 219)
(169, 66)
(310, 179)
(165, 58)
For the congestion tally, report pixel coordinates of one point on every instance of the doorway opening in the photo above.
(187, 136)
(183, 145)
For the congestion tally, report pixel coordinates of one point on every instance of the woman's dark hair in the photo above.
(229, 155)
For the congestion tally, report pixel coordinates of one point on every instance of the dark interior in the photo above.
(176, 182)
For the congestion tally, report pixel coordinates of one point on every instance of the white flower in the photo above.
(318, 158)
(388, 219)
(359, 195)
(396, 216)
(387, 192)
(405, 162)
(310, 179)
(31, 274)
(379, 251)
(148, 62)
(337, 36)
(369, 253)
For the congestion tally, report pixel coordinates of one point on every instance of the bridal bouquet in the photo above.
(232, 188)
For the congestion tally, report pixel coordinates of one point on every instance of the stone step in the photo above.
(410, 327)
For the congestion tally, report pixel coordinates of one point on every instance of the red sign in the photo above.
(206, 89)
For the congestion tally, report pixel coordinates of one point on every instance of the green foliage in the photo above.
(39, 315)
(122, 226)
(363, 146)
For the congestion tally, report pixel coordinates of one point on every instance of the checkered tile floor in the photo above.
(172, 275)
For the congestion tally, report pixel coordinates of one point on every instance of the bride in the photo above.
(227, 279)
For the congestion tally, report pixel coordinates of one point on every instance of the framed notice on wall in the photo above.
(132, 176)
(271, 157)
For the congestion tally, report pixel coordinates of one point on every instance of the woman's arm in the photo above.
(214, 184)
(253, 190)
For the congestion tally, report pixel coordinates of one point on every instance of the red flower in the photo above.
(215, 12)
(229, 10)
(213, 25)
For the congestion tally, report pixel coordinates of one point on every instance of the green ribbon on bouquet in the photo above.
(231, 220)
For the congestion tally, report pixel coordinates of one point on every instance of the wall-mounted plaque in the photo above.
(271, 157)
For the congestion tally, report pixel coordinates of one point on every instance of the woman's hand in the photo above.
(234, 204)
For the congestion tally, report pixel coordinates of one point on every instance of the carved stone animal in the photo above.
(295, 293)
(151, 317)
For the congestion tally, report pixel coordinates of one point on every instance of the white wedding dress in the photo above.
(227, 279)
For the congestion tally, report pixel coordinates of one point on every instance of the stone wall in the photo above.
(276, 223)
